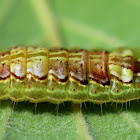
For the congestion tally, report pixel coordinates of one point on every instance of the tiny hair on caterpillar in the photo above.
(37, 74)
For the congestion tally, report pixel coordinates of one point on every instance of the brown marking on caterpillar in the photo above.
(58, 65)
(126, 59)
(33, 77)
(17, 77)
(4, 71)
(121, 57)
(103, 83)
(125, 62)
(57, 55)
(61, 80)
(127, 66)
(5, 78)
(136, 66)
(112, 76)
(82, 82)
(4, 66)
(78, 66)
(98, 68)
(4, 54)
(57, 50)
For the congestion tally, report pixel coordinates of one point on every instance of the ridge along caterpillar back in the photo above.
(56, 76)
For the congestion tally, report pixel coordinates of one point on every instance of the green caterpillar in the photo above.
(56, 76)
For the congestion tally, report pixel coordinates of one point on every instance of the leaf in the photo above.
(90, 24)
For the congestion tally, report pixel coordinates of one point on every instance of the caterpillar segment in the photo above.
(99, 89)
(120, 68)
(56, 76)
(37, 74)
(18, 68)
(77, 69)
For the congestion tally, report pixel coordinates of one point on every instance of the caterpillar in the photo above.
(58, 75)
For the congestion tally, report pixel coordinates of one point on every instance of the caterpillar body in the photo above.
(56, 76)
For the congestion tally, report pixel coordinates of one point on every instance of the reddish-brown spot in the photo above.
(95, 91)
(74, 89)
(117, 90)
(52, 88)
(29, 86)
(9, 86)
(138, 86)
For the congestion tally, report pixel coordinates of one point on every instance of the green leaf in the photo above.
(91, 24)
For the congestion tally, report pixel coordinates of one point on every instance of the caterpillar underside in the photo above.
(56, 76)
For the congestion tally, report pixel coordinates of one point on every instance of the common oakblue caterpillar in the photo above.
(59, 75)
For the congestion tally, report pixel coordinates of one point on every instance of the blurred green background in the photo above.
(90, 24)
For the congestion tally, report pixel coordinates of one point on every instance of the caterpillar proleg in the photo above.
(56, 76)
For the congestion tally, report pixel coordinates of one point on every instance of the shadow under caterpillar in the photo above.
(56, 76)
